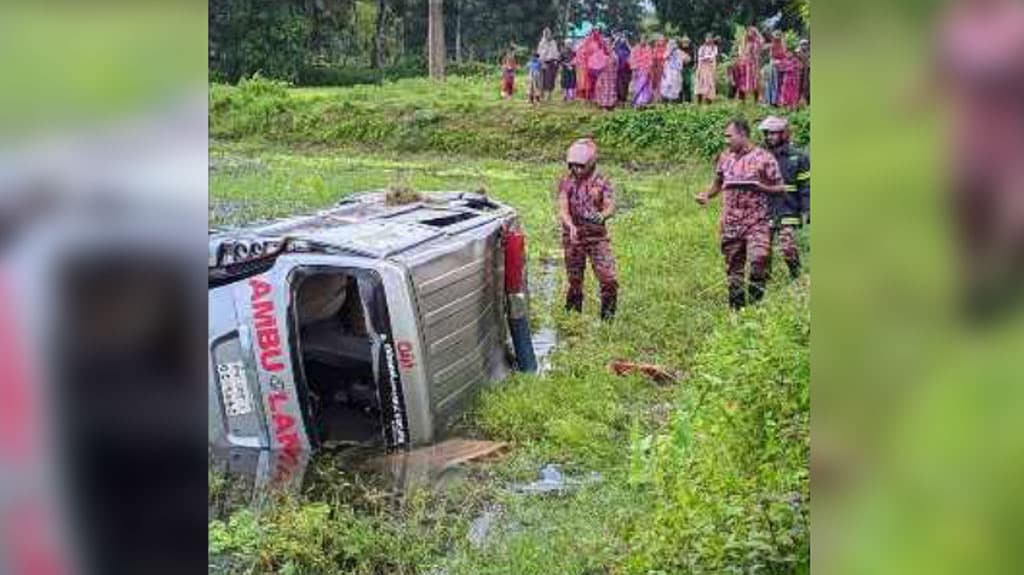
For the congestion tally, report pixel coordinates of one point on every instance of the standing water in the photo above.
(544, 289)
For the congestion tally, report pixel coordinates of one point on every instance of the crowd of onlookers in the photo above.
(612, 71)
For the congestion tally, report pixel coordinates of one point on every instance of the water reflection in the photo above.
(545, 289)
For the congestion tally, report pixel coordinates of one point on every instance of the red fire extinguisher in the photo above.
(518, 299)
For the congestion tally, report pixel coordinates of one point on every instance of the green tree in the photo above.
(699, 17)
(437, 50)
(799, 10)
(613, 15)
(377, 59)
(249, 36)
(278, 38)
(284, 39)
(487, 28)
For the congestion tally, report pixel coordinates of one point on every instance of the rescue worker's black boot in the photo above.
(756, 290)
(737, 299)
(574, 302)
(608, 304)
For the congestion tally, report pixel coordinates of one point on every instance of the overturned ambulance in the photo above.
(366, 323)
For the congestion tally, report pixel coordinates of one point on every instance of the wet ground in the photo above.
(543, 293)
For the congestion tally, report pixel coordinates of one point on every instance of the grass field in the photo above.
(467, 117)
(706, 475)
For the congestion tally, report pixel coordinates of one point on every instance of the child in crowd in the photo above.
(508, 75)
(536, 81)
(568, 65)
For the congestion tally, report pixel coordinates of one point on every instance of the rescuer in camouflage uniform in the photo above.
(747, 175)
(790, 209)
(586, 200)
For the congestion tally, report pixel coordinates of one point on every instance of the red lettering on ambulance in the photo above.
(267, 357)
(405, 356)
(265, 322)
(263, 315)
(290, 443)
(268, 339)
(288, 459)
(260, 288)
(283, 422)
(275, 400)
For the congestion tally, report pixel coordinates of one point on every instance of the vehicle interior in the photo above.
(337, 360)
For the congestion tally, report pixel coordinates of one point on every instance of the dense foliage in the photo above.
(465, 116)
(248, 37)
(699, 17)
(333, 42)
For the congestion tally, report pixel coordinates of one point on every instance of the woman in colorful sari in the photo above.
(584, 83)
(735, 69)
(658, 54)
(640, 62)
(789, 94)
(707, 64)
(606, 64)
(548, 51)
(596, 62)
(672, 78)
(778, 47)
(622, 51)
(750, 64)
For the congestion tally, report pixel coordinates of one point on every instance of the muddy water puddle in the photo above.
(543, 291)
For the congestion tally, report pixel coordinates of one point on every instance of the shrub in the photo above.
(331, 75)
(336, 75)
(731, 470)
(471, 69)
(256, 106)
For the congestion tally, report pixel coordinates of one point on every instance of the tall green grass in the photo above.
(466, 116)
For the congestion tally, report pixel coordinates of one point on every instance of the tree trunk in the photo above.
(378, 41)
(400, 33)
(458, 31)
(435, 39)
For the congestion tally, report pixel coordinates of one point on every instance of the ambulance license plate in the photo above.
(234, 388)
